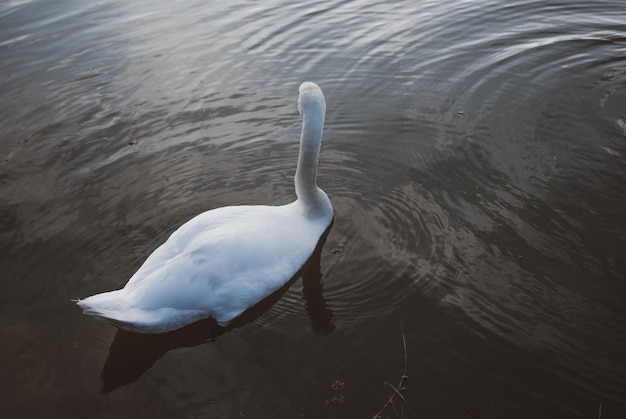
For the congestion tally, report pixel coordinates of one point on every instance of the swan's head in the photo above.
(310, 97)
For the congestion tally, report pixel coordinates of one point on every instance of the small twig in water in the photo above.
(399, 394)
(402, 386)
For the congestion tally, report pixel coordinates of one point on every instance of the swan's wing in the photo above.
(224, 261)
(205, 224)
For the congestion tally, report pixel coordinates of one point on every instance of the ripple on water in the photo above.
(384, 243)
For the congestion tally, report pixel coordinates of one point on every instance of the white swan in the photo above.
(225, 260)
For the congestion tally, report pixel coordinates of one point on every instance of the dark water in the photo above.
(474, 154)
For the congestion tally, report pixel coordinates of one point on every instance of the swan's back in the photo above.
(241, 251)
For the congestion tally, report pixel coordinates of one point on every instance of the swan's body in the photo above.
(223, 261)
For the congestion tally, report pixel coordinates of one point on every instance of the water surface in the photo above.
(473, 152)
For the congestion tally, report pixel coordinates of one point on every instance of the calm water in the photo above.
(474, 153)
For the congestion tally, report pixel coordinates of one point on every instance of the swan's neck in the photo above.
(313, 198)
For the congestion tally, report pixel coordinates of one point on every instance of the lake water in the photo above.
(474, 152)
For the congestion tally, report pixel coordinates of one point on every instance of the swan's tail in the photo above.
(108, 306)
(115, 308)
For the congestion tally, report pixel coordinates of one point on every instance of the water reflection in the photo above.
(132, 354)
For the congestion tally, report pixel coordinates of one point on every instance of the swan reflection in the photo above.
(132, 354)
